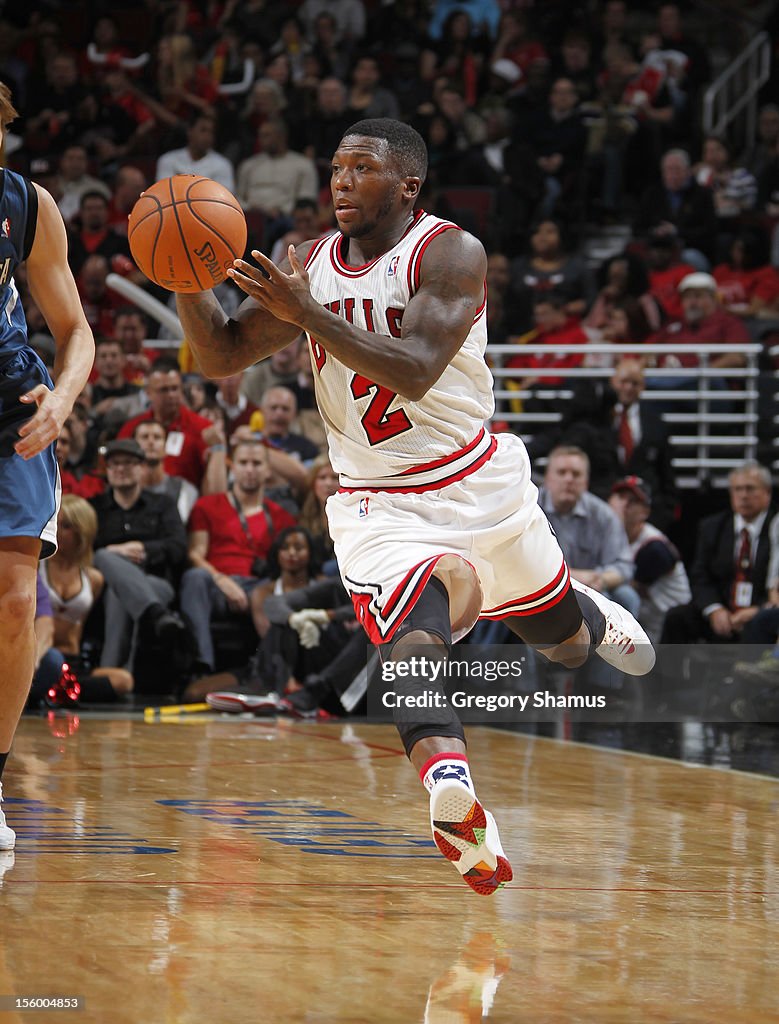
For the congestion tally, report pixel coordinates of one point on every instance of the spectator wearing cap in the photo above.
(703, 322)
(140, 549)
(677, 203)
(659, 575)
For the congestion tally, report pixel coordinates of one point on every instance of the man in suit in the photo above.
(729, 572)
(621, 434)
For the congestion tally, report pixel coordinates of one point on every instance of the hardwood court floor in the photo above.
(229, 870)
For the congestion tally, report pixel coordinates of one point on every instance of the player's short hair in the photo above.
(8, 111)
(405, 143)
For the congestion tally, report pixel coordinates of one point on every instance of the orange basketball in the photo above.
(185, 232)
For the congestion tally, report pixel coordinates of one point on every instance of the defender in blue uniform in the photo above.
(32, 413)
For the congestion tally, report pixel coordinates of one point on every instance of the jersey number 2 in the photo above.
(379, 425)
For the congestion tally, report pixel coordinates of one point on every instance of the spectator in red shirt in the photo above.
(129, 182)
(99, 301)
(131, 328)
(189, 435)
(748, 285)
(666, 270)
(704, 322)
(553, 328)
(92, 233)
(230, 535)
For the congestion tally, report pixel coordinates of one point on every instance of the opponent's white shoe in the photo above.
(466, 834)
(7, 835)
(625, 645)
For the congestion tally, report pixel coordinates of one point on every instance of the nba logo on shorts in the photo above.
(364, 507)
(392, 269)
(6, 228)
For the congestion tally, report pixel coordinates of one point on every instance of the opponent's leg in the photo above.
(18, 569)
(463, 830)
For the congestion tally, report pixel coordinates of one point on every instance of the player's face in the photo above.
(366, 185)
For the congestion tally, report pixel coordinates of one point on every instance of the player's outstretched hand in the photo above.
(285, 296)
(44, 427)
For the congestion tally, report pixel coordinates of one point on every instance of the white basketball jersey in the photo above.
(373, 433)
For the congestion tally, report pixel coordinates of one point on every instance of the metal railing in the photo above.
(736, 90)
(709, 415)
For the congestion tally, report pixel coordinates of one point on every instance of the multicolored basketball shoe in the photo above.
(7, 835)
(466, 834)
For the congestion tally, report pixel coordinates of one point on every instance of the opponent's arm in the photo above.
(224, 345)
(435, 324)
(55, 293)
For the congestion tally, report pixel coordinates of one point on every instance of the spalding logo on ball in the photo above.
(185, 231)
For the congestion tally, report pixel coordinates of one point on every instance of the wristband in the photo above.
(217, 448)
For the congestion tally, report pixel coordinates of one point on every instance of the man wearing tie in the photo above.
(728, 575)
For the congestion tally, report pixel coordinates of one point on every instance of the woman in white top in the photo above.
(74, 585)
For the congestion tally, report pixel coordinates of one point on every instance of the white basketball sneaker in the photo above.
(7, 835)
(625, 645)
(466, 834)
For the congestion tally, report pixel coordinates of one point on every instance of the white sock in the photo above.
(446, 767)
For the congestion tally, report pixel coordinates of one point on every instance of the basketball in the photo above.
(185, 231)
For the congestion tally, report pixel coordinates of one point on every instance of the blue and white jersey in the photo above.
(29, 489)
(18, 218)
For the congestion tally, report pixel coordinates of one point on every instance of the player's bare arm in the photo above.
(55, 293)
(224, 345)
(435, 324)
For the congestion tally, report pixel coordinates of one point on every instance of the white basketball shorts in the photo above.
(483, 535)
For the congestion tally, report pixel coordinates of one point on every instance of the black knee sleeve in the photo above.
(429, 615)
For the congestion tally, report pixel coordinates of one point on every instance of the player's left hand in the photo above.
(45, 425)
(285, 296)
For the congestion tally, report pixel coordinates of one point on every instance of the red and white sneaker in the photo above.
(625, 645)
(466, 834)
(258, 704)
(7, 835)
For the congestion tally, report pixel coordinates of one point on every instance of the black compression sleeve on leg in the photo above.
(593, 617)
(429, 615)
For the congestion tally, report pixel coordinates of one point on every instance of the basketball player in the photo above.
(32, 413)
(436, 522)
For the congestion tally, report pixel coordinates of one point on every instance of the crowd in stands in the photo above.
(199, 503)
